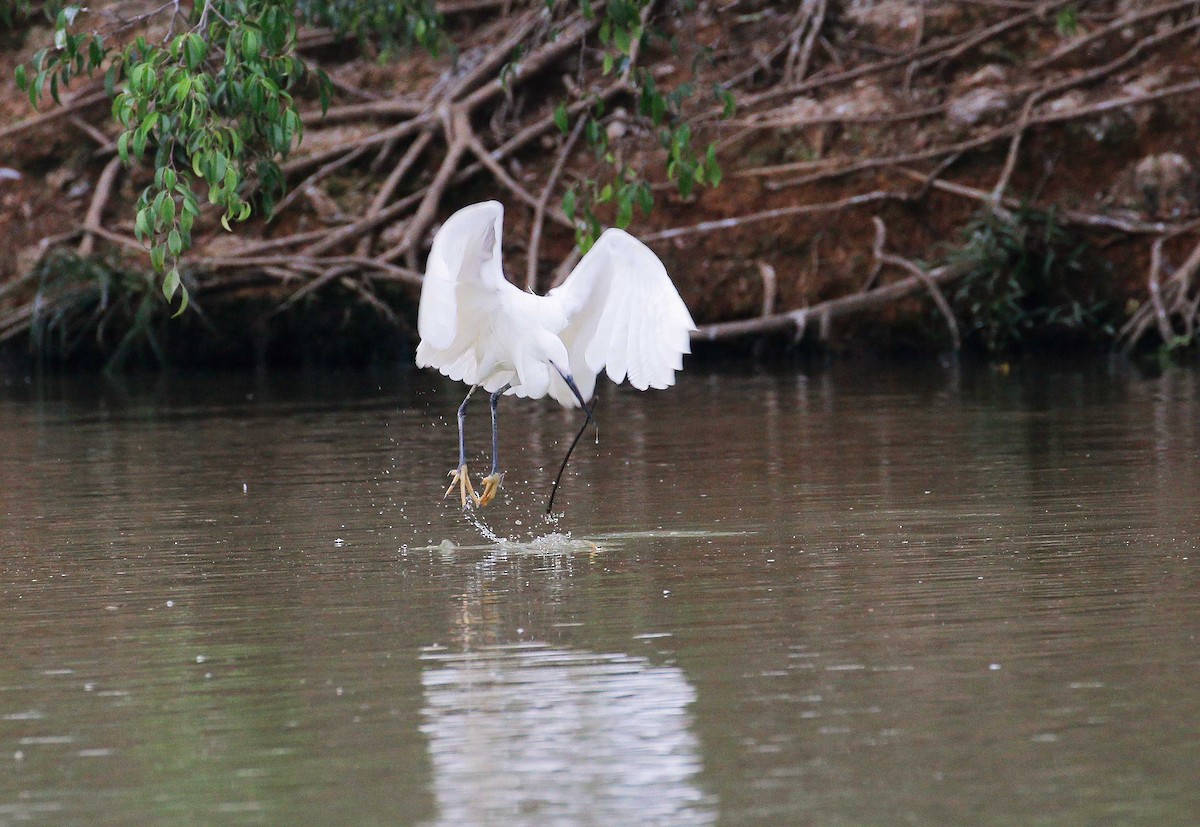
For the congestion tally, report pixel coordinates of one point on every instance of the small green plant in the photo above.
(1066, 22)
(622, 32)
(88, 308)
(13, 12)
(1029, 279)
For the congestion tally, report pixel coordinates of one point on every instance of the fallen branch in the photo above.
(539, 210)
(91, 222)
(1077, 217)
(1168, 301)
(919, 273)
(825, 312)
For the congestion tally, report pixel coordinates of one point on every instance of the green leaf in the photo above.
(158, 256)
(171, 283)
(712, 170)
(624, 39)
(568, 203)
(166, 210)
(20, 76)
(730, 102)
(645, 197)
(139, 143)
(686, 185)
(194, 50)
(95, 52)
(251, 44)
(658, 109)
(35, 88)
(560, 118)
(714, 175)
(175, 243)
(143, 226)
(624, 210)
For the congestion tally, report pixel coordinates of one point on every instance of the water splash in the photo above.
(483, 528)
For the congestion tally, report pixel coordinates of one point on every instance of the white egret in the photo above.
(617, 310)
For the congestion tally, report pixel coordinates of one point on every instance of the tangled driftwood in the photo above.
(920, 80)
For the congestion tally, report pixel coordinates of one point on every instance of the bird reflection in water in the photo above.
(529, 733)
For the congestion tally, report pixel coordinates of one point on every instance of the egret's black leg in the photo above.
(587, 413)
(491, 483)
(495, 399)
(459, 476)
(462, 421)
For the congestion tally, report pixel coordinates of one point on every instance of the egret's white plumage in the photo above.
(617, 311)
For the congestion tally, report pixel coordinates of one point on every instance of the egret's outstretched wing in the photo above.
(623, 314)
(461, 292)
(465, 257)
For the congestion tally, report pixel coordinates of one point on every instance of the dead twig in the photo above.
(68, 109)
(780, 212)
(767, 273)
(824, 170)
(327, 241)
(457, 127)
(392, 182)
(318, 176)
(796, 65)
(906, 264)
(1168, 300)
(1014, 148)
(104, 188)
(539, 210)
(352, 112)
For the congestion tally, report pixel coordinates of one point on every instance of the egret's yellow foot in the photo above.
(459, 477)
(491, 484)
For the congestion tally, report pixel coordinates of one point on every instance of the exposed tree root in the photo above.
(844, 122)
